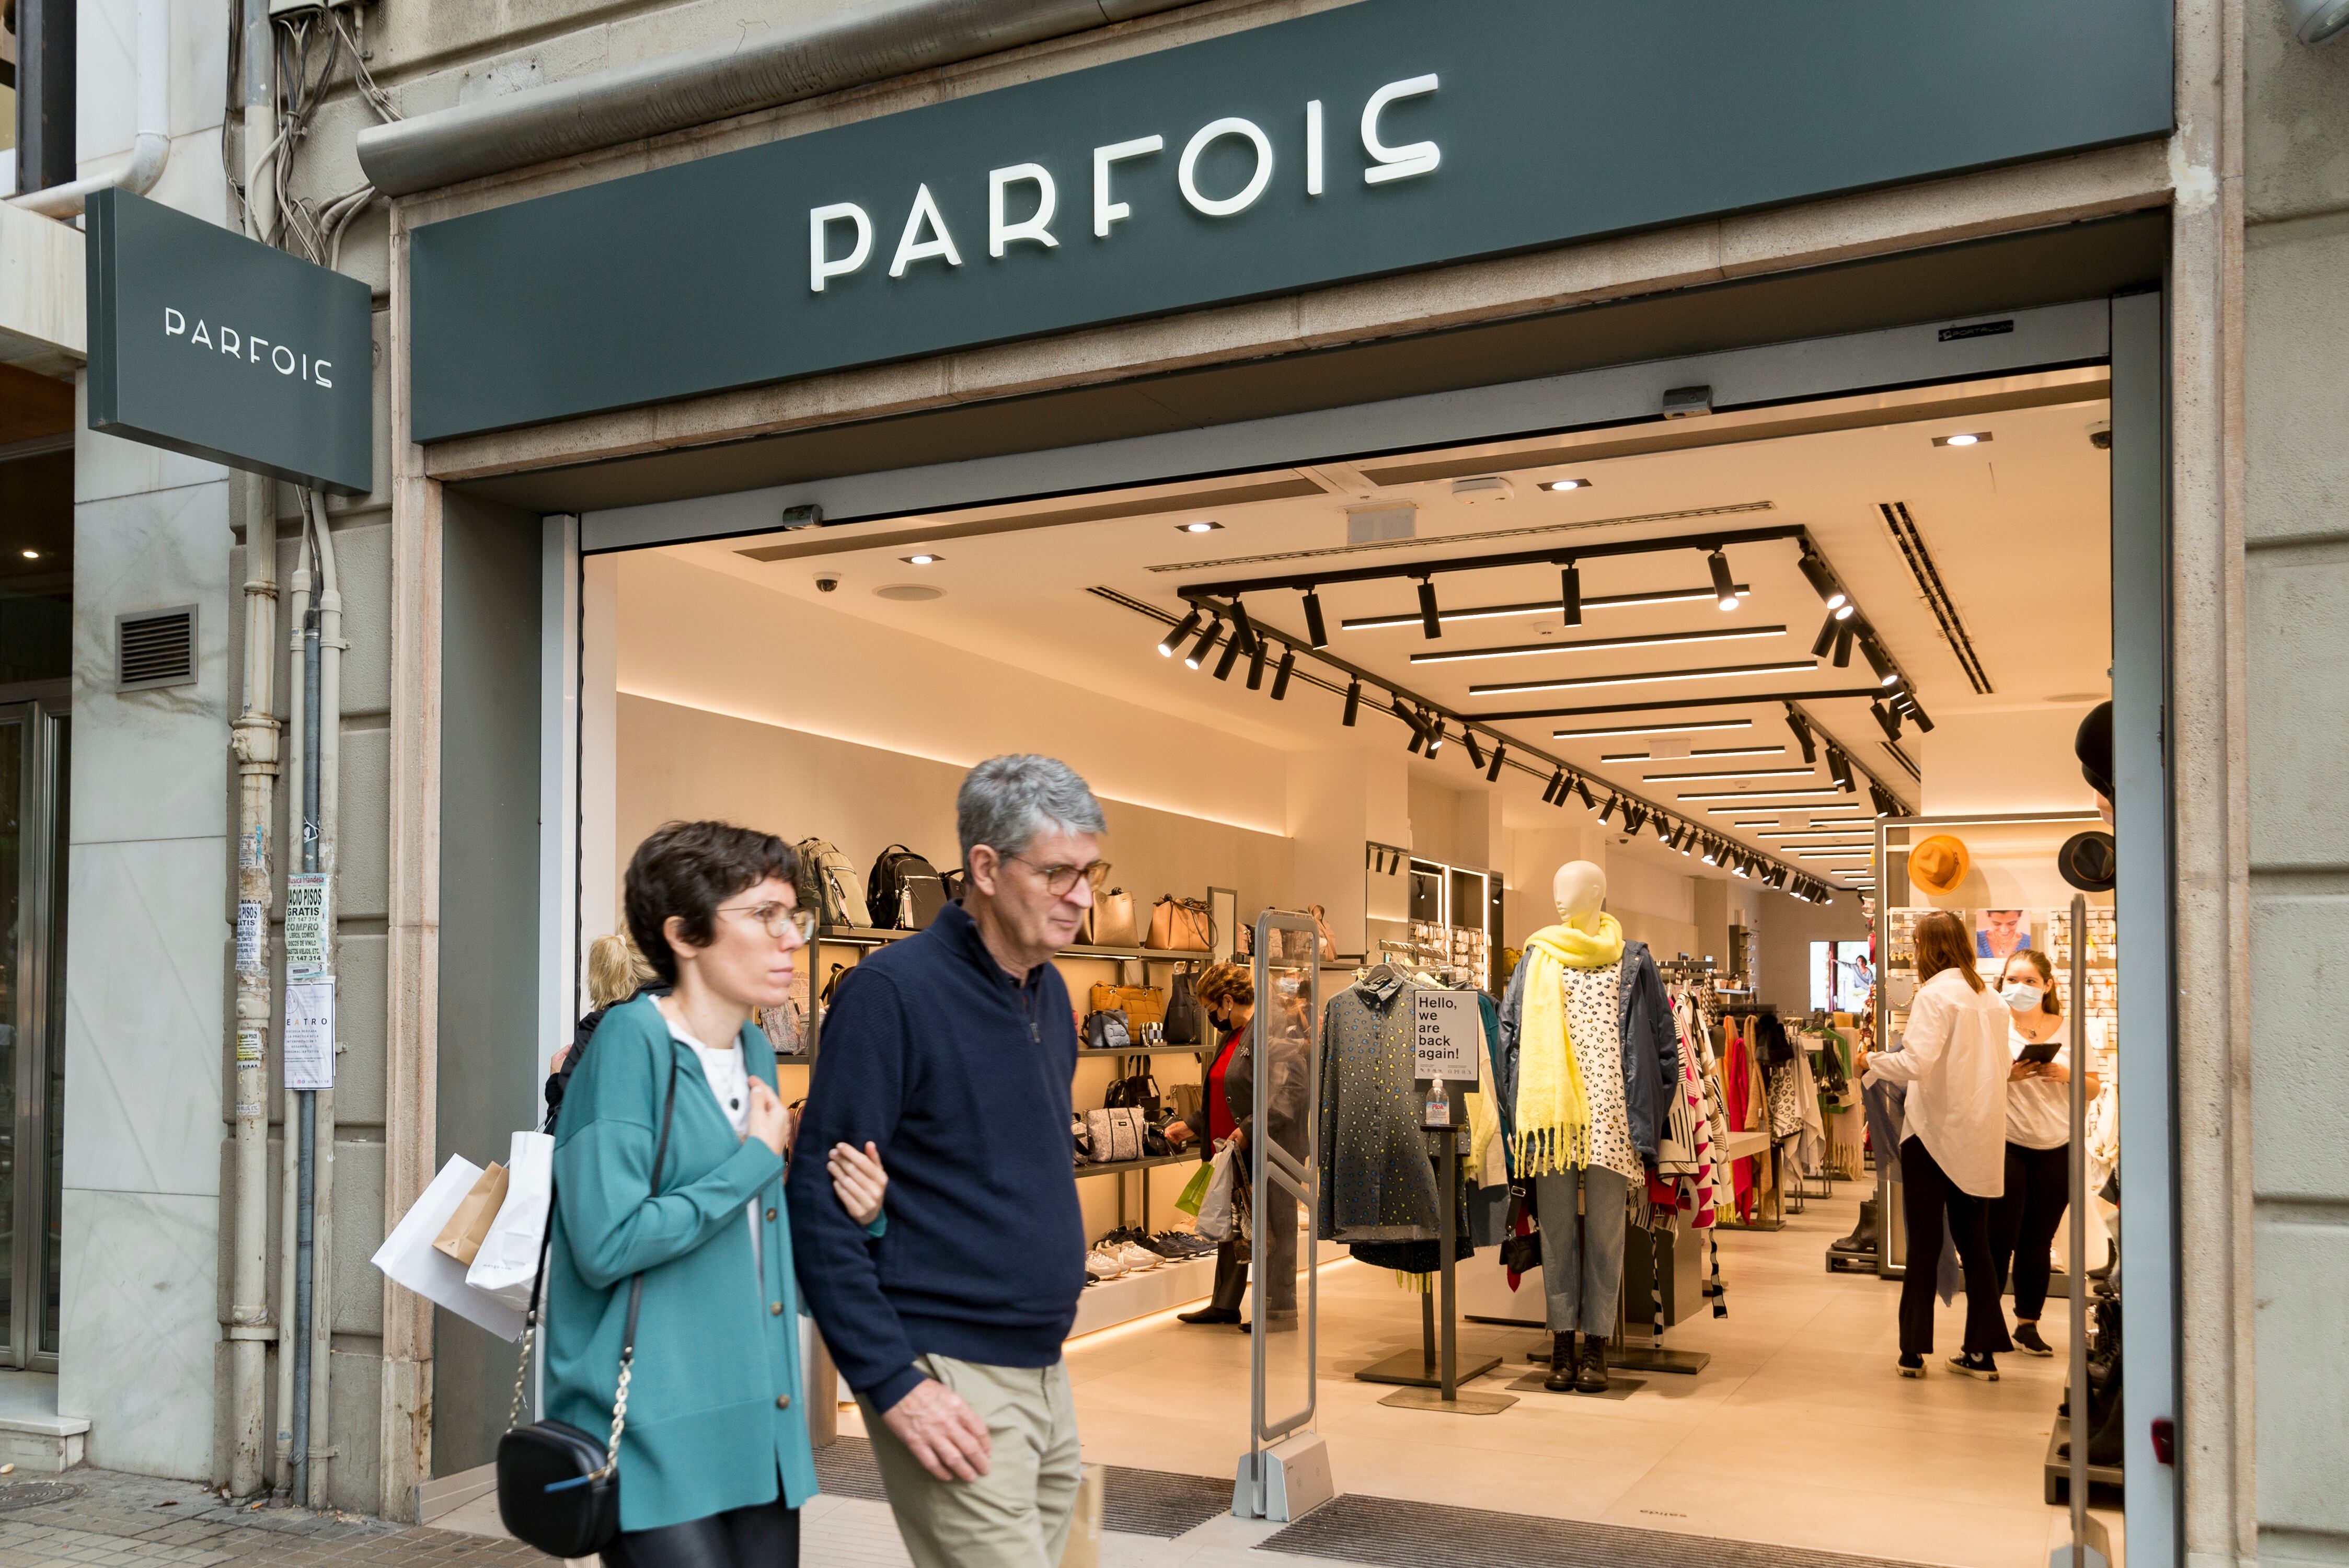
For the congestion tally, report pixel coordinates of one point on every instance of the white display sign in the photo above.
(310, 1033)
(1447, 1037)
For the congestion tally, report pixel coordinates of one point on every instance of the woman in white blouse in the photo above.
(2038, 1143)
(1953, 1063)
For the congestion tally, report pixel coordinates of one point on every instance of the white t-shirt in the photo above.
(1954, 1060)
(730, 1081)
(2039, 1110)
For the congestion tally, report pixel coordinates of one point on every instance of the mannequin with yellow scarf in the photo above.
(1590, 1056)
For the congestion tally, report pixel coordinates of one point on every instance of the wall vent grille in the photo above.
(157, 648)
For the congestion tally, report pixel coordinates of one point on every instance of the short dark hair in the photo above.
(688, 869)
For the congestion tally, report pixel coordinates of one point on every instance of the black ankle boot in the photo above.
(1863, 1235)
(1561, 1364)
(1590, 1373)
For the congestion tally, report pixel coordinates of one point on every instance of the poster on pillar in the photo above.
(206, 343)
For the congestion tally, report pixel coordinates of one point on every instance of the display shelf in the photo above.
(873, 937)
(1131, 1295)
(1084, 1051)
(1120, 1167)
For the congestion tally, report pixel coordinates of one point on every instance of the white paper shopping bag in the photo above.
(508, 1259)
(409, 1258)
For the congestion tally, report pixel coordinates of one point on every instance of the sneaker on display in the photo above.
(1100, 1264)
(1137, 1259)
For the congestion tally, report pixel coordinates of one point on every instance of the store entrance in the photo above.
(1787, 678)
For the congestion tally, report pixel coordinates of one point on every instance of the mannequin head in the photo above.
(1580, 889)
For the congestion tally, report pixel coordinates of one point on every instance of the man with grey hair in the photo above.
(951, 1052)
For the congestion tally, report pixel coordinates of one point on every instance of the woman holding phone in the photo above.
(2038, 1141)
(669, 1155)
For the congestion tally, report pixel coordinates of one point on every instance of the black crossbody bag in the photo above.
(558, 1486)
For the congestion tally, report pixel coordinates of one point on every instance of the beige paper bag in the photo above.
(461, 1238)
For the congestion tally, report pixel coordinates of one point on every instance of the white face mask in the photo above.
(2022, 998)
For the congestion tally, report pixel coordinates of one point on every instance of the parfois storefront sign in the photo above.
(210, 344)
(1375, 137)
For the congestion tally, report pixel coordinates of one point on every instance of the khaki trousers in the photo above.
(1017, 1514)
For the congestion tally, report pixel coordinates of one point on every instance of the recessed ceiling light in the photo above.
(1200, 526)
(1962, 438)
(1567, 485)
(32, 555)
(924, 559)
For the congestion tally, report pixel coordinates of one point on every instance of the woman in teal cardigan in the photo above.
(714, 1458)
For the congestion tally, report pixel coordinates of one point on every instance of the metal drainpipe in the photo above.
(253, 737)
(289, 1124)
(305, 1194)
(326, 788)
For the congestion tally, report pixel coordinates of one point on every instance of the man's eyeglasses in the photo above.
(1059, 880)
(777, 918)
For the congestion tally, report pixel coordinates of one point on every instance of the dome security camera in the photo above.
(2314, 21)
(827, 582)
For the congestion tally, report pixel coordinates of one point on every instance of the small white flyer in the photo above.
(306, 924)
(250, 923)
(310, 1032)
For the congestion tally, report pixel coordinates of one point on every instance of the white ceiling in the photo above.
(2016, 526)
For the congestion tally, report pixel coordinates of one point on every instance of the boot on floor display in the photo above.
(1590, 1370)
(1561, 1364)
(1863, 1235)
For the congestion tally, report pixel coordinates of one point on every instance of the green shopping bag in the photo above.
(1195, 1191)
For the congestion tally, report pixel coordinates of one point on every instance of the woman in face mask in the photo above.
(2038, 1143)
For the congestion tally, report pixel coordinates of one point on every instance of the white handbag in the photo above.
(508, 1259)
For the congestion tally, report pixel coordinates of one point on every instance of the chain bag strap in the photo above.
(552, 1494)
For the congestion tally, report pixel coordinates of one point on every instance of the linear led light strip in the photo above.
(1804, 772)
(1539, 607)
(1697, 727)
(1713, 673)
(1699, 752)
(1752, 797)
(1586, 644)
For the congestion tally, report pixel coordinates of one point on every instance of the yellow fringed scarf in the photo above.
(1552, 1130)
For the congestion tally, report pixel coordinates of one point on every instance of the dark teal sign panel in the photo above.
(208, 343)
(1550, 121)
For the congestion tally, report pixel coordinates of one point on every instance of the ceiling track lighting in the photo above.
(1888, 720)
(1539, 607)
(1878, 661)
(1916, 714)
(1570, 594)
(1475, 752)
(1725, 586)
(1554, 792)
(1882, 797)
(1822, 581)
(1839, 770)
(1255, 664)
(1493, 771)
(1607, 815)
(1316, 632)
(1632, 817)
(1582, 787)
(1843, 645)
(1182, 632)
(1802, 733)
(1206, 644)
(1232, 650)
(1281, 678)
(1353, 703)
(1434, 738)
(1663, 828)
(1243, 629)
(1431, 618)
(1825, 642)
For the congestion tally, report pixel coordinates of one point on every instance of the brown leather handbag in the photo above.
(1181, 925)
(1110, 922)
(1141, 1004)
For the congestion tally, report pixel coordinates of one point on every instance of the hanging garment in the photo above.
(1785, 1101)
(1650, 1050)
(1377, 1184)
(1548, 1092)
(1811, 1150)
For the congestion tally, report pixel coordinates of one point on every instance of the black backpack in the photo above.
(904, 893)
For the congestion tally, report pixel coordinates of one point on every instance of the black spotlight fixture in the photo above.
(1255, 664)
(1569, 595)
(1883, 799)
(1493, 768)
(1582, 787)
(1815, 572)
(1316, 632)
(1725, 586)
(1607, 813)
(1181, 633)
(1802, 733)
(1916, 714)
(1243, 629)
(1418, 732)
(1232, 649)
(1353, 703)
(1206, 644)
(1824, 640)
(1475, 752)
(1663, 827)
(1434, 738)
(1878, 661)
(1281, 678)
(1632, 817)
(1711, 852)
(1553, 791)
(1430, 619)
(1840, 769)
(1843, 645)
(1888, 720)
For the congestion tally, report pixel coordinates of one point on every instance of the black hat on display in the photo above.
(2089, 862)
(2094, 747)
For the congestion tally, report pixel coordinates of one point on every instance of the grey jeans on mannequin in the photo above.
(1582, 1256)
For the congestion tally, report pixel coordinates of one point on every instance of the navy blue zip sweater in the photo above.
(959, 1075)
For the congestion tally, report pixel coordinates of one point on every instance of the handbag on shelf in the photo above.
(840, 891)
(1079, 1138)
(558, 1486)
(1115, 1134)
(1110, 922)
(1186, 1099)
(1181, 925)
(1185, 1024)
(1140, 1092)
(1141, 1004)
(1108, 1029)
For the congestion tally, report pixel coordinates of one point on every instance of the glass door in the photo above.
(34, 740)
